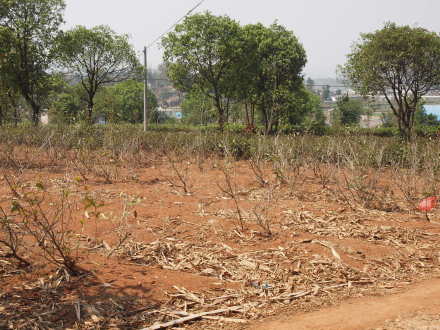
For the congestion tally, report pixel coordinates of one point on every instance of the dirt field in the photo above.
(416, 307)
(234, 242)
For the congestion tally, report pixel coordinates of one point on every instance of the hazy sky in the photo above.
(326, 28)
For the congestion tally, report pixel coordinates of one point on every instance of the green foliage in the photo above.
(240, 147)
(304, 103)
(305, 114)
(250, 67)
(348, 111)
(98, 56)
(67, 103)
(271, 66)
(400, 61)
(9, 99)
(123, 102)
(318, 124)
(198, 109)
(28, 33)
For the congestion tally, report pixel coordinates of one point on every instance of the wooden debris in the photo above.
(329, 245)
(192, 317)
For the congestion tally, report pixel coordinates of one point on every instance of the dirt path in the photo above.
(416, 308)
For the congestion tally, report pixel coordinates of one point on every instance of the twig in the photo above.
(300, 294)
(217, 318)
(330, 246)
(192, 317)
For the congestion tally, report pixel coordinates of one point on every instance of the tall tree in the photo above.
(272, 62)
(28, 33)
(398, 62)
(200, 54)
(98, 56)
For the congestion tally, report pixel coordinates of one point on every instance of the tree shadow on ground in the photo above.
(59, 301)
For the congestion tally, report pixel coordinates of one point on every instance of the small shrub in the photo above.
(49, 230)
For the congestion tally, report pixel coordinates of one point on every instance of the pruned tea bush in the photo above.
(366, 147)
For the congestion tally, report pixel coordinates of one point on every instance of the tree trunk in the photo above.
(269, 121)
(221, 120)
(1, 114)
(405, 116)
(266, 119)
(246, 111)
(36, 109)
(253, 115)
(90, 111)
(13, 104)
(16, 118)
(406, 122)
(221, 114)
(36, 113)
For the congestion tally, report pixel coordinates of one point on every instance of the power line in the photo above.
(146, 64)
(177, 22)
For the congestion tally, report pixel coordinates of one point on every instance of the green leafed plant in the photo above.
(401, 64)
(98, 56)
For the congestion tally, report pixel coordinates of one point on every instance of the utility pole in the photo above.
(145, 90)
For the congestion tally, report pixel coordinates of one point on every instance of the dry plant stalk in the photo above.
(86, 162)
(12, 237)
(51, 231)
(288, 167)
(359, 186)
(122, 230)
(324, 172)
(407, 182)
(9, 159)
(262, 210)
(181, 179)
(230, 190)
(257, 168)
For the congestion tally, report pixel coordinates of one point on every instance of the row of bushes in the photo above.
(27, 134)
(370, 147)
(420, 131)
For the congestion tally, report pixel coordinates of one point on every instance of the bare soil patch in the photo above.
(416, 307)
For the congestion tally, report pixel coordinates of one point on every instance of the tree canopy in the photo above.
(272, 62)
(398, 62)
(256, 65)
(29, 30)
(201, 53)
(97, 56)
(123, 102)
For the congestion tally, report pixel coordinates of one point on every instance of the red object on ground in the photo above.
(427, 204)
